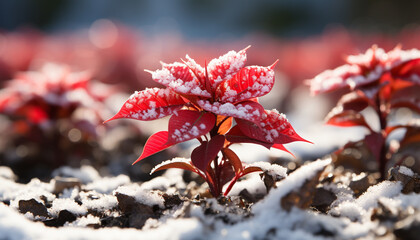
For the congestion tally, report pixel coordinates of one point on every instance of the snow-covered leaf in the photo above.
(180, 79)
(150, 104)
(248, 110)
(188, 124)
(226, 66)
(249, 82)
(206, 152)
(155, 143)
(273, 128)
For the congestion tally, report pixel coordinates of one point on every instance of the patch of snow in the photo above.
(7, 173)
(406, 171)
(85, 174)
(68, 204)
(84, 221)
(108, 184)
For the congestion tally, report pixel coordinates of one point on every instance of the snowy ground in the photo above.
(314, 202)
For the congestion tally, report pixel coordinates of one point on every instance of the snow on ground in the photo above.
(349, 219)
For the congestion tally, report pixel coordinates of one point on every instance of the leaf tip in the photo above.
(274, 64)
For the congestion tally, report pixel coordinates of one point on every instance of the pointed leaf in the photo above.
(206, 152)
(155, 143)
(233, 159)
(281, 147)
(188, 124)
(226, 66)
(174, 163)
(235, 135)
(150, 104)
(249, 82)
(180, 79)
(348, 118)
(273, 128)
(248, 110)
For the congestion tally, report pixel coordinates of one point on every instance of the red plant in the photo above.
(203, 102)
(381, 80)
(53, 109)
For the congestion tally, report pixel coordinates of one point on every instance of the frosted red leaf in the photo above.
(273, 128)
(150, 104)
(181, 79)
(224, 67)
(249, 110)
(367, 68)
(188, 124)
(249, 82)
(155, 143)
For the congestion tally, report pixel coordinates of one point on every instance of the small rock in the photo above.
(302, 197)
(411, 183)
(34, 207)
(137, 213)
(62, 183)
(171, 200)
(359, 184)
(323, 199)
(63, 217)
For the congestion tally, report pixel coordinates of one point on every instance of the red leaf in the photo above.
(251, 169)
(180, 79)
(407, 69)
(375, 142)
(248, 110)
(348, 118)
(227, 173)
(281, 147)
(155, 143)
(408, 97)
(249, 82)
(235, 135)
(174, 163)
(412, 135)
(226, 66)
(355, 101)
(273, 128)
(150, 104)
(188, 124)
(206, 152)
(233, 159)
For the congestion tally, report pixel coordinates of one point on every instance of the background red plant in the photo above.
(383, 81)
